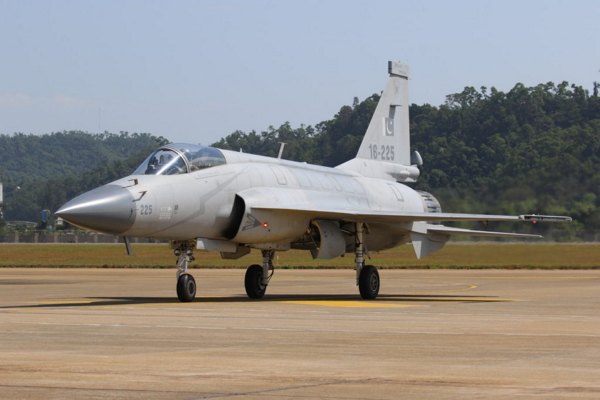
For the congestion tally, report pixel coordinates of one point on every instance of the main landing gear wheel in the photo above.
(186, 288)
(258, 276)
(367, 277)
(254, 282)
(368, 282)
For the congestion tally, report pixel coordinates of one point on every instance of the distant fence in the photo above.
(66, 237)
(73, 236)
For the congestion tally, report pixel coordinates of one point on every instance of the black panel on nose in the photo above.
(109, 209)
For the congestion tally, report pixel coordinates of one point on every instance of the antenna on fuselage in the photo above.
(281, 147)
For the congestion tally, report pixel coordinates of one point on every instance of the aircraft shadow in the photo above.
(129, 300)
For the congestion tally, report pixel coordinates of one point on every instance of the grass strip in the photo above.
(453, 256)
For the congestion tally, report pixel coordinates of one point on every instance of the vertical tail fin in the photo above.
(385, 148)
(388, 135)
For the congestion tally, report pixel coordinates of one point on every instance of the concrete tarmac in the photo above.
(121, 334)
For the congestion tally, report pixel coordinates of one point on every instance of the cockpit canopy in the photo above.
(180, 158)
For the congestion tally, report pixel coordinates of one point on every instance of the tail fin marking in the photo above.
(388, 135)
(385, 149)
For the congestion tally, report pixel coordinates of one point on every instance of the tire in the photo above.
(186, 288)
(253, 282)
(368, 282)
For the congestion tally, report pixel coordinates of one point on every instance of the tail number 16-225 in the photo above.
(382, 152)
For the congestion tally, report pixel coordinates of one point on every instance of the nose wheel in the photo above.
(186, 284)
(186, 288)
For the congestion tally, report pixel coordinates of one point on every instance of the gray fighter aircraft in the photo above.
(217, 200)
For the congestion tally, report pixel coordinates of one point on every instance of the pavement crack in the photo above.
(285, 388)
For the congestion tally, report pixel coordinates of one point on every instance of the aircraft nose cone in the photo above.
(109, 209)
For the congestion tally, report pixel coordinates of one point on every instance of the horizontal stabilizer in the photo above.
(447, 230)
(428, 238)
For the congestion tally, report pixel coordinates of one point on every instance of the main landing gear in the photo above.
(367, 277)
(186, 284)
(258, 276)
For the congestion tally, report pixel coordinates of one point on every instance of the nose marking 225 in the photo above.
(145, 209)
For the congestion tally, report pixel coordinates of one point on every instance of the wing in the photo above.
(398, 217)
(426, 236)
(294, 201)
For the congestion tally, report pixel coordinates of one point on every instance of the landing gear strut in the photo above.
(258, 276)
(367, 277)
(186, 284)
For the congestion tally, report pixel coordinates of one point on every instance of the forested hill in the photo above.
(44, 171)
(531, 149)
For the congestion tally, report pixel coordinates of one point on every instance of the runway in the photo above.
(440, 334)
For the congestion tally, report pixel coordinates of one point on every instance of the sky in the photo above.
(196, 71)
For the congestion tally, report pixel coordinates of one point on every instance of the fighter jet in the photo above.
(205, 198)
